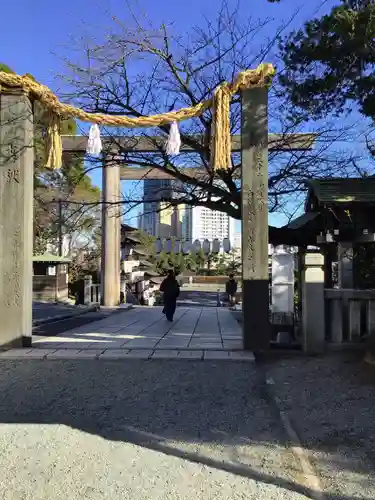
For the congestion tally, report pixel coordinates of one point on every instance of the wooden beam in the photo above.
(142, 173)
(144, 144)
(255, 293)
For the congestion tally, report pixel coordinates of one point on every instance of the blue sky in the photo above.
(36, 36)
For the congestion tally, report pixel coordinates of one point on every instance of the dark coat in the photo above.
(170, 288)
(231, 287)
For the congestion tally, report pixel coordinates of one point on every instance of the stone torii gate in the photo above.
(16, 209)
(254, 144)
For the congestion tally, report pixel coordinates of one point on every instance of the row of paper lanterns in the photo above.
(186, 247)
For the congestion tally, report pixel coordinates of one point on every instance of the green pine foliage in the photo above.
(329, 64)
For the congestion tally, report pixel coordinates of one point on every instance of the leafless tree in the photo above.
(141, 70)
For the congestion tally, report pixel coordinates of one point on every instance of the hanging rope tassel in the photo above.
(221, 145)
(173, 145)
(94, 143)
(220, 136)
(53, 144)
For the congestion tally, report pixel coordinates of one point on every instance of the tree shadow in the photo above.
(180, 409)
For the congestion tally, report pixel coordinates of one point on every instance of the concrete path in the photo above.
(196, 298)
(45, 312)
(144, 332)
(163, 430)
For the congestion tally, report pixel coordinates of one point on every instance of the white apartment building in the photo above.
(203, 223)
(183, 221)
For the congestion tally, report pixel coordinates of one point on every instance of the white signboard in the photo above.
(282, 282)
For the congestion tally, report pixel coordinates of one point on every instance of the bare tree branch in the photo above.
(146, 70)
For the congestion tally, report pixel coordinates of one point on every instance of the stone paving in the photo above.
(144, 333)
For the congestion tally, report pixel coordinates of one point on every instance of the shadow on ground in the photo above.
(200, 412)
(331, 402)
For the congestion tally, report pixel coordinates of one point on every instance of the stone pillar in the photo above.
(255, 286)
(16, 218)
(345, 264)
(123, 285)
(313, 316)
(118, 237)
(111, 228)
(87, 290)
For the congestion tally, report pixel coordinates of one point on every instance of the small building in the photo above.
(50, 277)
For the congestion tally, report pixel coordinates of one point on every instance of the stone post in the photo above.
(255, 292)
(111, 227)
(16, 218)
(123, 285)
(87, 290)
(313, 316)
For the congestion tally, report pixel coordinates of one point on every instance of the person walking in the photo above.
(231, 289)
(171, 290)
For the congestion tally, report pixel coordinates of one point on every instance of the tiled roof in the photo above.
(345, 190)
(302, 220)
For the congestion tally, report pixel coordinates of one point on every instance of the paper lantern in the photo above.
(216, 246)
(168, 245)
(196, 246)
(226, 245)
(186, 247)
(177, 246)
(206, 247)
(158, 245)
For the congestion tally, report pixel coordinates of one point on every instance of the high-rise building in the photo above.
(203, 223)
(140, 222)
(237, 242)
(188, 223)
(155, 221)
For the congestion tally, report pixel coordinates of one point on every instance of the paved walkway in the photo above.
(196, 298)
(144, 332)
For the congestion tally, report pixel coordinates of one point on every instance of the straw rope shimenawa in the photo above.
(220, 103)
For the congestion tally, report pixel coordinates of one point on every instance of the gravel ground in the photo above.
(141, 430)
(331, 402)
